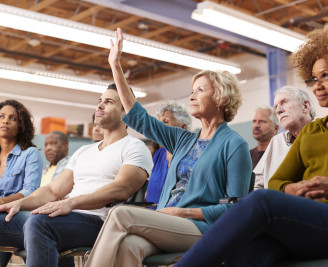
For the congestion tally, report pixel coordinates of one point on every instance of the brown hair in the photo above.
(315, 47)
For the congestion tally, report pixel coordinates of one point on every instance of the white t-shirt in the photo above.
(93, 168)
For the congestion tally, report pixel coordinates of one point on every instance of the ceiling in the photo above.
(166, 21)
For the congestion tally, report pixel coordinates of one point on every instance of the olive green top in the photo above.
(308, 156)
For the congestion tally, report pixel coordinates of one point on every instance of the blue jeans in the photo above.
(11, 234)
(261, 229)
(45, 236)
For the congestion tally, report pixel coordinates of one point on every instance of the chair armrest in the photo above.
(163, 259)
(227, 200)
(79, 251)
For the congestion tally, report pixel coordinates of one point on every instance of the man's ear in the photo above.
(122, 113)
(66, 148)
(276, 129)
(307, 105)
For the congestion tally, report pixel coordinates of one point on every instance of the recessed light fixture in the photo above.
(48, 101)
(34, 42)
(143, 25)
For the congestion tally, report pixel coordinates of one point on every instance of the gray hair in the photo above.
(61, 136)
(300, 95)
(273, 116)
(179, 112)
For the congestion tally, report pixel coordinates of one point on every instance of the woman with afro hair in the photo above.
(291, 221)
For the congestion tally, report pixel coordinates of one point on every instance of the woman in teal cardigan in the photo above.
(207, 165)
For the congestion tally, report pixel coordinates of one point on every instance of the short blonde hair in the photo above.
(227, 91)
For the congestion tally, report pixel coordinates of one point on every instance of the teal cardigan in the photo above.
(223, 169)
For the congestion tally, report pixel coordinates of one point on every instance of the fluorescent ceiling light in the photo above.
(30, 21)
(49, 101)
(54, 79)
(246, 25)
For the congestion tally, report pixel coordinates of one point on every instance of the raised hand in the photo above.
(116, 48)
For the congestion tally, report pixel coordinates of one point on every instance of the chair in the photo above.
(137, 199)
(163, 259)
(7, 249)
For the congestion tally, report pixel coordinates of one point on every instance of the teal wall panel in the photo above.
(245, 131)
(74, 144)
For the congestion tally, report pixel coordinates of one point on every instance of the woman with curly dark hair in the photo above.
(269, 225)
(25, 125)
(20, 160)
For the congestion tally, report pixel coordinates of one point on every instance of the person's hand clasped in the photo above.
(116, 48)
(316, 188)
(61, 207)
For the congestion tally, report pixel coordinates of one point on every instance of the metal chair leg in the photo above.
(84, 257)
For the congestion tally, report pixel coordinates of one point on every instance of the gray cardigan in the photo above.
(223, 169)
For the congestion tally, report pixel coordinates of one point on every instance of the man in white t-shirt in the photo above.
(96, 174)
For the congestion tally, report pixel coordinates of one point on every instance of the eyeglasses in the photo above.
(311, 82)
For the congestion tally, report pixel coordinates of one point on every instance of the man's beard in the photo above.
(108, 123)
(265, 137)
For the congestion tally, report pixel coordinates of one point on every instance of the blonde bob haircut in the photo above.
(227, 91)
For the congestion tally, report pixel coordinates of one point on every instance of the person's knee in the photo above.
(17, 220)
(123, 212)
(262, 196)
(128, 246)
(35, 223)
(136, 248)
